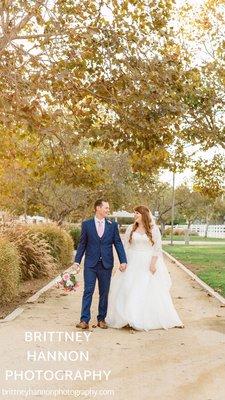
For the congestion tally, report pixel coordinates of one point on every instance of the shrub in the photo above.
(75, 234)
(167, 232)
(60, 242)
(176, 232)
(9, 270)
(35, 253)
(179, 232)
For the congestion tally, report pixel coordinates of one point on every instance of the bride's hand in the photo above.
(152, 269)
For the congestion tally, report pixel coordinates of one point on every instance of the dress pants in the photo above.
(103, 275)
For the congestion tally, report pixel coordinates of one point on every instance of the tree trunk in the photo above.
(25, 203)
(207, 228)
(162, 227)
(187, 234)
(208, 219)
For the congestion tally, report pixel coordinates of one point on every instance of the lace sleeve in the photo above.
(156, 236)
(126, 237)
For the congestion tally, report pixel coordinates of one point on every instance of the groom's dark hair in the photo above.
(99, 203)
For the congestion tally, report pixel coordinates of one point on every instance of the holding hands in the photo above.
(123, 267)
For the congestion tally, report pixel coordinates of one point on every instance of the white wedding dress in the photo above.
(137, 297)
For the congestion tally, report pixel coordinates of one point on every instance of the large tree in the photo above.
(110, 70)
(114, 72)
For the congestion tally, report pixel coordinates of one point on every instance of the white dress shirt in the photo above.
(97, 223)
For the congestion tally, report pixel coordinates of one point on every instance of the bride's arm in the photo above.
(157, 247)
(127, 237)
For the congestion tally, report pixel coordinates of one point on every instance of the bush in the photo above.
(35, 253)
(61, 243)
(75, 234)
(179, 232)
(167, 232)
(176, 232)
(9, 270)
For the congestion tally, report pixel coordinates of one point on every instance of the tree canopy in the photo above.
(126, 76)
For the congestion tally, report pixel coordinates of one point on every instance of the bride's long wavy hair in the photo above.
(147, 222)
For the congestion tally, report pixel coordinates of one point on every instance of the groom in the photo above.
(98, 235)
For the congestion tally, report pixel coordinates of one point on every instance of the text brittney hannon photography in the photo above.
(112, 199)
(56, 356)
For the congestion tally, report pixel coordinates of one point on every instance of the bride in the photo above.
(139, 296)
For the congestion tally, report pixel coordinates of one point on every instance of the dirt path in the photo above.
(178, 364)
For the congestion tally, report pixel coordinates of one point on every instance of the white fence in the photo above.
(36, 219)
(214, 231)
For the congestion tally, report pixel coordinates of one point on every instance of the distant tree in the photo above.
(209, 181)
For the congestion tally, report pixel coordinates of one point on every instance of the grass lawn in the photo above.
(208, 262)
(194, 239)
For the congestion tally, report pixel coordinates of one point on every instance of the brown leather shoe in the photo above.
(102, 324)
(82, 325)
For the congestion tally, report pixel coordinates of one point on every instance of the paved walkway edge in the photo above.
(204, 285)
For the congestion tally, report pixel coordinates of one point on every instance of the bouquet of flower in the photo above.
(69, 282)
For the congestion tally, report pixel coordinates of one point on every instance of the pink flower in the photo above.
(66, 277)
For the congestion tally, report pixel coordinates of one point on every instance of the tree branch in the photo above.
(8, 38)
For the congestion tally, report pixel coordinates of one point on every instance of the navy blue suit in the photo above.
(98, 263)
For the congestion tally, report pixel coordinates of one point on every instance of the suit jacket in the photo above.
(95, 247)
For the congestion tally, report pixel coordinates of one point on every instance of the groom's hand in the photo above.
(123, 267)
(76, 267)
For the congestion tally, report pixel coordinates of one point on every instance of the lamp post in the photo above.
(172, 209)
(177, 163)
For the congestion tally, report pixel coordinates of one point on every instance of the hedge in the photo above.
(10, 272)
